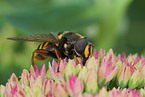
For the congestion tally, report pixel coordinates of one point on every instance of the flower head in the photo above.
(107, 69)
(105, 75)
(74, 85)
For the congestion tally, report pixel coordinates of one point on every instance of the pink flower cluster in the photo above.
(104, 75)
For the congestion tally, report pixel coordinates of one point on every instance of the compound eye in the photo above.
(80, 46)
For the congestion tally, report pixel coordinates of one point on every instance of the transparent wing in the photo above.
(37, 37)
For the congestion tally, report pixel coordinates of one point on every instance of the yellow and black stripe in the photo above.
(69, 35)
(42, 46)
(88, 50)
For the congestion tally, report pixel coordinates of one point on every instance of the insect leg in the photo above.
(76, 59)
(34, 54)
(33, 64)
(56, 52)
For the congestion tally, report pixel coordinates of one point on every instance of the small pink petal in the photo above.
(32, 72)
(112, 73)
(143, 60)
(74, 85)
(13, 80)
(60, 90)
(81, 62)
(64, 62)
(123, 58)
(137, 59)
(102, 93)
(54, 65)
(32, 80)
(88, 95)
(133, 93)
(79, 95)
(131, 66)
(14, 89)
(51, 73)
(51, 69)
(48, 87)
(102, 53)
(25, 77)
(61, 68)
(91, 85)
(43, 72)
(8, 90)
(96, 54)
(2, 90)
(72, 82)
(36, 70)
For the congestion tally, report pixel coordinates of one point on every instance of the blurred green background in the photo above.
(117, 24)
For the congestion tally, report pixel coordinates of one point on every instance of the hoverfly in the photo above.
(62, 45)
